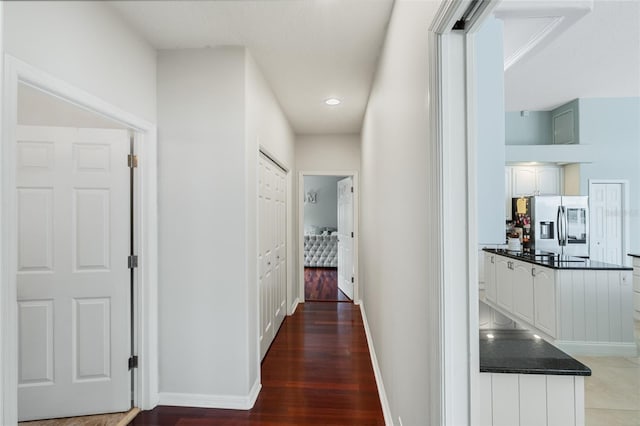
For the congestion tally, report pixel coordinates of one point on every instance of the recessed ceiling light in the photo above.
(333, 101)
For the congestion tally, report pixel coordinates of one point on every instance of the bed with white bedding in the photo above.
(321, 250)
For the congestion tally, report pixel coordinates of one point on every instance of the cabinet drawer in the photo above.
(636, 283)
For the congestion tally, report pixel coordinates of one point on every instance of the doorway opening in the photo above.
(67, 210)
(75, 231)
(328, 237)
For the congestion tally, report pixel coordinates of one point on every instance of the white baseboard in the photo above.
(597, 348)
(294, 306)
(386, 409)
(233, 402)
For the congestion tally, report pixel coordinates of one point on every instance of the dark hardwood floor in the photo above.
(321, 284)
(317, 372)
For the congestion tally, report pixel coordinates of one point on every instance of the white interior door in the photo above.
(272, 278)
(73, 279)
(605, 203)
(345, 236)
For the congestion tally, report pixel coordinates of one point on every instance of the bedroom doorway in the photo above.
(328, 237)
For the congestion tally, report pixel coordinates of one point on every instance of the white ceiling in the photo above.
(597, 56)
(308, 50)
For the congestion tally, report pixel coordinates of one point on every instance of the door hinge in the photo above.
(133, 362)
(132, 262)
(352, 189)
(132, 161)
(352, 235)
(352, 280)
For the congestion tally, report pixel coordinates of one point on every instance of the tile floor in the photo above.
(612, 393)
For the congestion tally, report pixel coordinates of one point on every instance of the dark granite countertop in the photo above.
(519, 352)
(565, 262)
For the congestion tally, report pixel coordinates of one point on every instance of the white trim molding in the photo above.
(233, 402)
(356, 227)
(384, 402)
(145, 323)
(453, 304)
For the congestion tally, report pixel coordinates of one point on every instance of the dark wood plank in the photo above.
(317, 372)
(321, 284)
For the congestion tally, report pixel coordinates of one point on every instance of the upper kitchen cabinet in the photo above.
(490, 176)
(565, 123)
(535, 180)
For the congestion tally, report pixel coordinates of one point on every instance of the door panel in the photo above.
(345, 236)
(605, 205)
(272, 257)
(73, 280)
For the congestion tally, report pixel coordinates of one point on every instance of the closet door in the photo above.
(271, 250)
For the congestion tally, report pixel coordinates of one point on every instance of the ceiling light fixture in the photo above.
(332, 101)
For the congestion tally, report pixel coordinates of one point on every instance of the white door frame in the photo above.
(145, 211)
(350, 173)
(453, 239)
(626, 219)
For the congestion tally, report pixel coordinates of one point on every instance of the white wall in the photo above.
(266, 128)
(490, 122)
(214, 111)
(394, 227)
(203, 303)
(324, 212)
(327, 152)
(88, 45)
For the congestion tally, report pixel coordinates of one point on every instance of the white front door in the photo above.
(73, 279)
(345, 236)
(605, 203)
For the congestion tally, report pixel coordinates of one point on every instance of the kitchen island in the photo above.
(636, 285)
(522, 377)
(583, 307)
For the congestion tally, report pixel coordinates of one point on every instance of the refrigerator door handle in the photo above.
(558, 225)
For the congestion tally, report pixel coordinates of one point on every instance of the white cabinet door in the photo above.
(524, 181)
(73, 283)
(523, 291)
(504, 289)
(490, 276)
(548, 180)
(544, 291)
(345, 236)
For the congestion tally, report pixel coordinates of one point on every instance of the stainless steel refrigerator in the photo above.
(559, 224)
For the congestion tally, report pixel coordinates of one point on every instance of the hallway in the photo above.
(317, 372)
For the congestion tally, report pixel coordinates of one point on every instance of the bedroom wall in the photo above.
(394, 215)
(324, 212)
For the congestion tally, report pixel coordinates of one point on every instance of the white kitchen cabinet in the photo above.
(524, 181)
(548, 180)
(636, 287)
(544, 293)
(581, 311)
(530, 399)
(490, 276)
(522, 279)
(504, 285)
